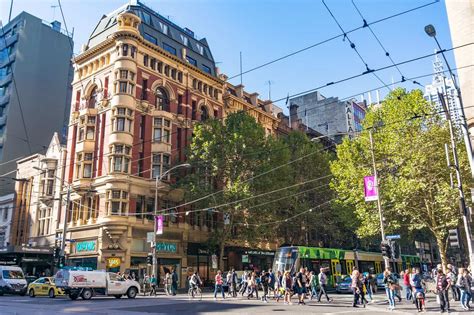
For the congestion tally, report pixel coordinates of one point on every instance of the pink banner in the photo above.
(370, 188)
(159, 224)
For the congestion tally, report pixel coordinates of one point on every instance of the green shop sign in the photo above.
(166, 247)
(86, 246)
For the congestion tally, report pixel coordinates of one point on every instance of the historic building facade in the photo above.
(140, 84)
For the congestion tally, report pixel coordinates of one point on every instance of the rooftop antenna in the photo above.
(54, 10)
(269, 83)
(241, 68)
(10, 14)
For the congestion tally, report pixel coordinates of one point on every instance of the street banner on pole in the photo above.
(370, 188)
(159, 224)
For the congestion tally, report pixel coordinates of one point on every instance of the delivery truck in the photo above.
(87, 284)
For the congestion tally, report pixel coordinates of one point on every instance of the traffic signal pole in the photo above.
(379, 205)
(66, 216)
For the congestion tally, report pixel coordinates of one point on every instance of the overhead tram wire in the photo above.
(353, 46)
(331, 83)
(378, 88)
(27, 137)
(330, 39)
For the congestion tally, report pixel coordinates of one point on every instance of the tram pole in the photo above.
(379, 205)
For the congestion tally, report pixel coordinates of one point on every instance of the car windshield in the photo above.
(13, 274)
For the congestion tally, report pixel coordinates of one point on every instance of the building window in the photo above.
(122, 119)
(162, 100)
(44, 221)
(133, 50)
(160, 164)
(145, 60)
(47, 183)
(153, 64)
(150, 38)
(126, 83)
(180, 104)
(120, 158)
(204, 113)
(161, 130)
(193, 110)
(93, 98)
(169, 49)
(191, 61)
(144, 95)
(117, 202)
(206, 69)
(124, 50)
(84, 165)
(5, 213)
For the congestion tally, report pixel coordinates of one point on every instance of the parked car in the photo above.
(44, 286)
(12, 280)
(30, 279)
(87, 284)
(344, 285)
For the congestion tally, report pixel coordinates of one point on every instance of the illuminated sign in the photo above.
(86, 246)
(166, 247)
(113, 262)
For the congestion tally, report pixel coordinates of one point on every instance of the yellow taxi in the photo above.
(44, 286)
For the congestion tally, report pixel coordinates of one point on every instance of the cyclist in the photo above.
(195, 281)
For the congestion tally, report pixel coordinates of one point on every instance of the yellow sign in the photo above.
(113, 262)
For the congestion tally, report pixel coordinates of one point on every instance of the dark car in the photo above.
(344, 285)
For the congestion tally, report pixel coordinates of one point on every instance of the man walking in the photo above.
(323, 281)
(174, 281)
(442, 286)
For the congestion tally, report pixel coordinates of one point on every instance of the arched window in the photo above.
(204, 113)
(162, 100)
(93, 98)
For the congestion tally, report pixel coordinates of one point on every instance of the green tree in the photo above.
(226, 157)
(414, 180)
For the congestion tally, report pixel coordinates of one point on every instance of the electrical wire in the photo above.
(330, 39)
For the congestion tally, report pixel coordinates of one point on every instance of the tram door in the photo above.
(335, 271)
(349, 266)
(378, 267)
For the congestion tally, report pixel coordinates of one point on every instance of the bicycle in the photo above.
(195, 291)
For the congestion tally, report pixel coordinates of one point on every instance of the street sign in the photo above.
(393, 237)
(149, 237)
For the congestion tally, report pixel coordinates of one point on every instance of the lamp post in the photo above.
(431, 32)
(157, 181)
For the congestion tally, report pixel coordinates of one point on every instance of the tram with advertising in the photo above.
(338, 262)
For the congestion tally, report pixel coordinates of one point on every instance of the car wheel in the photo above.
(132, 293)
(31, 293)
(86, 294)
(51, 294)
(73, 296)
(118, 296)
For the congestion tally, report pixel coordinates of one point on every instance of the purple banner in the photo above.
(159, 224)
(370, 188)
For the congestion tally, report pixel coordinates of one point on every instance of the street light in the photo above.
(431, 32)
(158, 180)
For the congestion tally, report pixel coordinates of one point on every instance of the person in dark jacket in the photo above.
(442, 287)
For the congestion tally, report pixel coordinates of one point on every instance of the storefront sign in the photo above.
(159, 224)
(370, 188)
(245, 258)
(260, 253)
(166, 247)
(214, 261)
(113, 262)
(86, 246)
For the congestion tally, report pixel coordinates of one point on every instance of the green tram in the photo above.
(338, 261)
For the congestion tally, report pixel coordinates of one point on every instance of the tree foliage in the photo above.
(413, 177)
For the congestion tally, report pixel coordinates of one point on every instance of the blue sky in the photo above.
(267, 29)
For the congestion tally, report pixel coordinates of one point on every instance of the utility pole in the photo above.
(66, 216)
(462, 202)
(379, 205)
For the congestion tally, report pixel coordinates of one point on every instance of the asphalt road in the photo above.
(342, 304)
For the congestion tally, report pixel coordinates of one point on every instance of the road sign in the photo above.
(150, 237)
(393, 237)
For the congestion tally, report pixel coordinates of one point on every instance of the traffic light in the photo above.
(386, 250)
(149, 259)
(454, 238)
(56, 253)
(61, 261)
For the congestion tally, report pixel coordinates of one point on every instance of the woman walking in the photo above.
(219, 282)
(464, 283)
(287, 285)
(389, 282)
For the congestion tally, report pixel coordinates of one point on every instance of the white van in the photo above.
(87, 284)
(12, 280)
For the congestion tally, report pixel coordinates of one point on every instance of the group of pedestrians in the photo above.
(360, 285)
